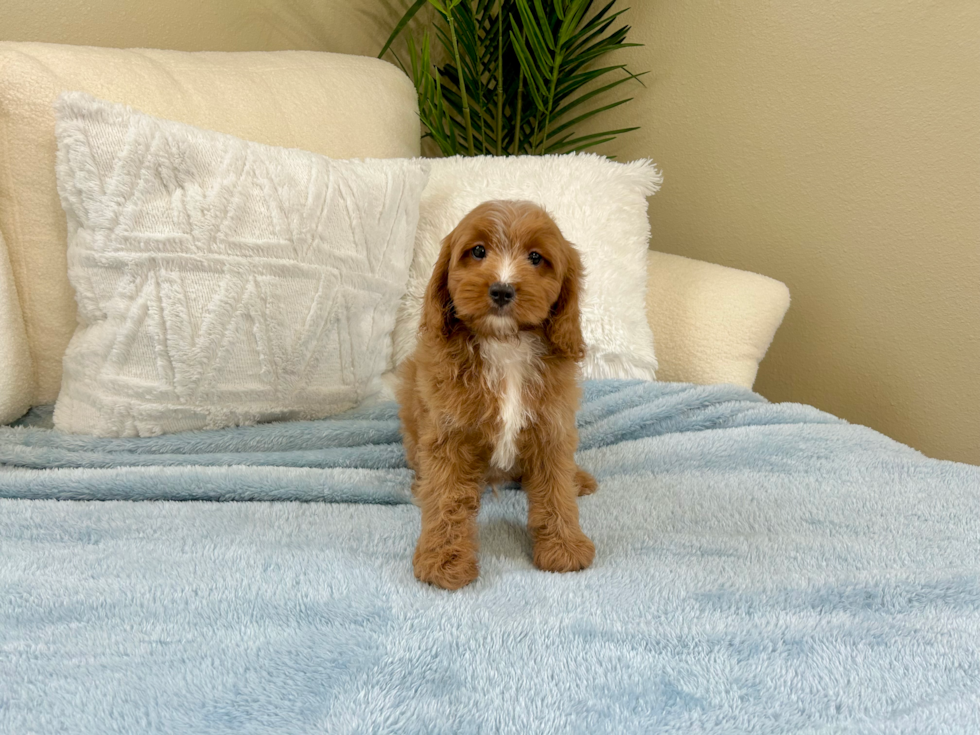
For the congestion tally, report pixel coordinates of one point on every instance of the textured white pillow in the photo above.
(332, 104)
(223, 282)
(599, 205)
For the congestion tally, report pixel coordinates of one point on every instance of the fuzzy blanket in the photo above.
(760, 568)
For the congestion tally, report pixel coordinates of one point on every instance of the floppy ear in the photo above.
(563, 327)
(438, 313)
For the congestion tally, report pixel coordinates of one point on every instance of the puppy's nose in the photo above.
(501, 293)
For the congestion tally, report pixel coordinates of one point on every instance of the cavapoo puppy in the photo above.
(491, 391)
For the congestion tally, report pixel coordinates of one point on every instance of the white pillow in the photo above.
(599, 205)
(332, 104)
(222, 282)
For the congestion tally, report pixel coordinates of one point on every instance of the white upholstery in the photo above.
(339, 106)
(16, 368)
(711, 324)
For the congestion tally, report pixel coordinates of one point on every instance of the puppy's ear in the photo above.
(438, 313)
(563, 327)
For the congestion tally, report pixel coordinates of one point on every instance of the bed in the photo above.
(760, 567)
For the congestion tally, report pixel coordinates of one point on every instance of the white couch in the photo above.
(711, 324)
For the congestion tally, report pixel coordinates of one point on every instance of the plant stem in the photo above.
(483, 88)
(551, 104)
(551, 98)
(520, 96)
(500, 73)
(462, 85)
(520, 100)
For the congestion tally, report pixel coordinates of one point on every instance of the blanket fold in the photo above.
(352, 451)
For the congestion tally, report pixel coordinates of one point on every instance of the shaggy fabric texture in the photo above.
(221, 282)
(760, 568)
(600, 206)
(332, 104)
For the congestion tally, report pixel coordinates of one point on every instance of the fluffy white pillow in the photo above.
(600, 206)
(222, 282)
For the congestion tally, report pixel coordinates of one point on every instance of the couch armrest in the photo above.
(711, 324)
(16, 368)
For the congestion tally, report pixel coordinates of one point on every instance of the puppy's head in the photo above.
(507, 267)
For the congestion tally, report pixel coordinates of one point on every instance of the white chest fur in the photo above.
(511, 365)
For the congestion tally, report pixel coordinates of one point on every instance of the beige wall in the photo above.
(833, 145)
(344, 26)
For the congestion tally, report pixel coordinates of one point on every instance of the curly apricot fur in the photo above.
(455, 406)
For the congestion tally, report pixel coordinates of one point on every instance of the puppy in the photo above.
(491, 391)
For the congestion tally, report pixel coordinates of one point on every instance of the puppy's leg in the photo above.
(585, 482)
(409, 410)
(448, 492)
(552, 506)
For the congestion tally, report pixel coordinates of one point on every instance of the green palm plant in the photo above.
(518, 74)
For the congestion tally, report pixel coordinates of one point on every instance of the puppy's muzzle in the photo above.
(502, 294)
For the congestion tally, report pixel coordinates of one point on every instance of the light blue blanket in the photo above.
(759, 568)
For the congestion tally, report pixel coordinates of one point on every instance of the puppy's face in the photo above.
(508, 261)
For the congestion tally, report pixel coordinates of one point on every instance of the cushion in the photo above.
(16, 370)
(600, 206)
(335, 105)
(712, 324)
(221, 282)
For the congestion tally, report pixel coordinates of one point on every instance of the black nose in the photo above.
(501, 293)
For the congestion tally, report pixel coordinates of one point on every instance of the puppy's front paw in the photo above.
(571, 552)
(449, 567)
(585, 482)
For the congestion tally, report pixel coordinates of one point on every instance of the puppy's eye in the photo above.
(534, 257)
(479, 252)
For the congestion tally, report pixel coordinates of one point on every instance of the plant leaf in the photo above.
(405, 20)
(534, 37)
(602, 137)
(589, 95)
(535, 86)
(573, 17)
(545, 24)
(586, 115)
